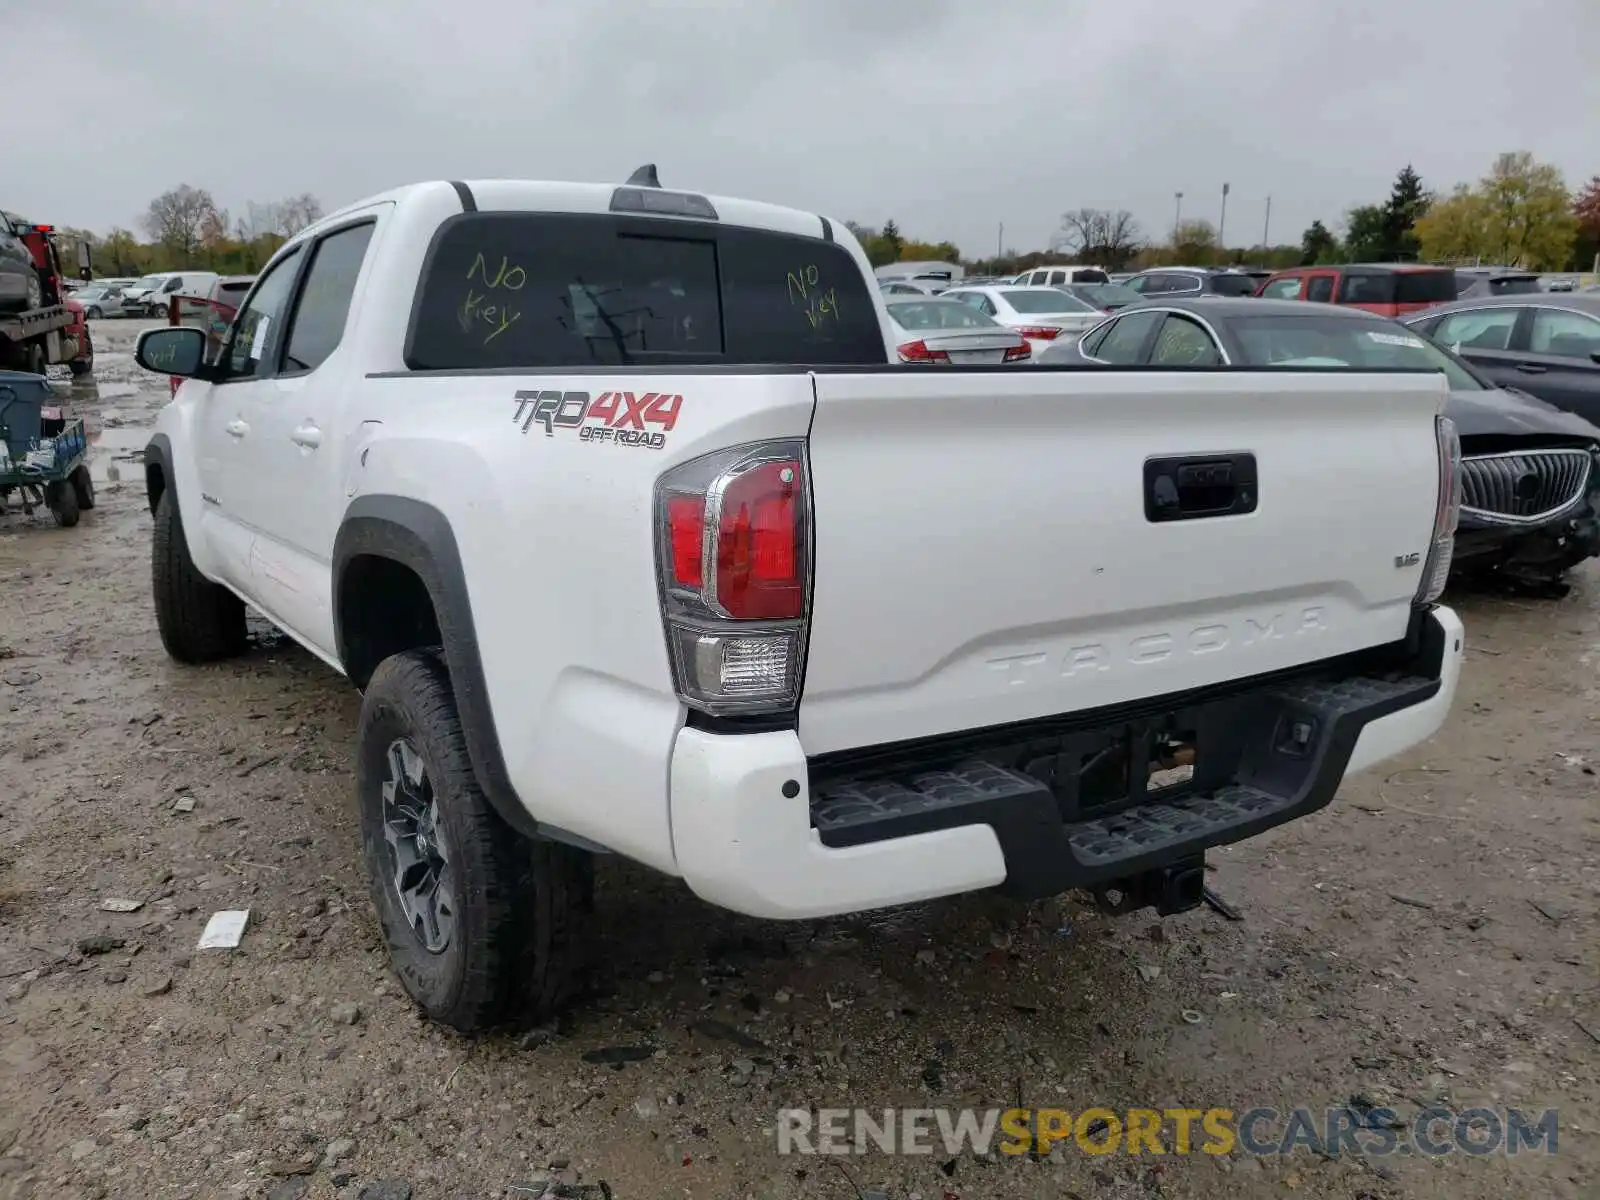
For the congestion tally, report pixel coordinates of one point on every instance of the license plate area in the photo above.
(975, 356)
(1102, 771)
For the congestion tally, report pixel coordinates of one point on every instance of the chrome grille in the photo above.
(1524, 487)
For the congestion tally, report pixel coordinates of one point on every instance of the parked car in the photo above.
(1192, 281)
(153, 293)
(21, 289)
(1475, 282)
(1056, 276)
(1531, 472)
(858, 637)
(1388, 289)
(906, 287)
(936, 330)
(99, 300)
(1040, 314)
(1546, 344)
(1107, 297)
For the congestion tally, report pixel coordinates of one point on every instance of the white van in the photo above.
(1055, 276)
(153, 293)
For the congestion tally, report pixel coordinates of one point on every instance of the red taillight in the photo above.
(734, 556)
(758, 544)
(1019, 352)
(1045, 333)
(918, 352)
(686, 520)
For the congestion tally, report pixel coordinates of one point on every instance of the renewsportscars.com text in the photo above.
(1375, 1132)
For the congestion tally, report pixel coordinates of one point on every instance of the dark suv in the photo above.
(1188, 282)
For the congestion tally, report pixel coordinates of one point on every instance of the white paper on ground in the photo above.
(224, 929)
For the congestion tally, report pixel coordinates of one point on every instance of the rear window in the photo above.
(1046, 301)
(509, 290)
(1332, 343)
(938, 314)
(1424, 287)
(1514, 285)
(1233, 285)
(1090, 275)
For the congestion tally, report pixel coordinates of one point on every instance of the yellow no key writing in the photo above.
(476, 314)
(807, 294)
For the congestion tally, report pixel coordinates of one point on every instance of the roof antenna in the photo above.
(645, 176)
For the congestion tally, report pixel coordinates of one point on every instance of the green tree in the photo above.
(1530, 222)
(1364, 236)
(1456, 227)
(1317, 245)
(891, 236)
(1194, 244)
(1407, 202)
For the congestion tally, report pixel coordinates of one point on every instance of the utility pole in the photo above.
(1265, 226)
(1177, 217)
(1000, 241)
(1222, 223)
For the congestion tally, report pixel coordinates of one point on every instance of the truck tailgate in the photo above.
(984, 553)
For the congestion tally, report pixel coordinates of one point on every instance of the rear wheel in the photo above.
(62, 501)
(200, 621)
(481, 923)
(34, 360)
(82, 486)
(93, 314)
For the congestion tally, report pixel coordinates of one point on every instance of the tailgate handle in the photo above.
(1194, 486)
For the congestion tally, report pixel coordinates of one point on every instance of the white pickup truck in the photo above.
(612, 504)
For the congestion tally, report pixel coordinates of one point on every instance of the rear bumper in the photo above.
(760, 830)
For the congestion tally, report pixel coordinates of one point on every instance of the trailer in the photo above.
(56, 332)
(32, 340)
(44, 453)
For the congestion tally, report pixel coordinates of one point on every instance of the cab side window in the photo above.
(1122, 342)
(1183, 343)
(317, 325)
(252, 351)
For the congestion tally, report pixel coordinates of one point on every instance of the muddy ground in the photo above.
(1432, 937)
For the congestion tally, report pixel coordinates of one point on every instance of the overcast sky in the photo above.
(950, 117)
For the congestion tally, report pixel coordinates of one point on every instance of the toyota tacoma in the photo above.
(612, 504)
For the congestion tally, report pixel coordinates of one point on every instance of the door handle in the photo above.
(1531, 368)
(306, 435)
(236, 428)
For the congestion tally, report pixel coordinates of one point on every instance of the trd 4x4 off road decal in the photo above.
(620, 418)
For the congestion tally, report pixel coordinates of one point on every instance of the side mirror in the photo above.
(176, 350)
(1595, 354)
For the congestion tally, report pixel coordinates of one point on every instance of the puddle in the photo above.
(122, 449)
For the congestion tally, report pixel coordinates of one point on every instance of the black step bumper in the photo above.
(1070, 800)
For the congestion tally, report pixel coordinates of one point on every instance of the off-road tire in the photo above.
(514, 952)
(35, 293)
(83, 486)
(62, 500)
(200, 621)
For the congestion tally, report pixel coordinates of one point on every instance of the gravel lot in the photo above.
(1432, 936)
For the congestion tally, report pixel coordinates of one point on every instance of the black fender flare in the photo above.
(158, 453)
(418, 536)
